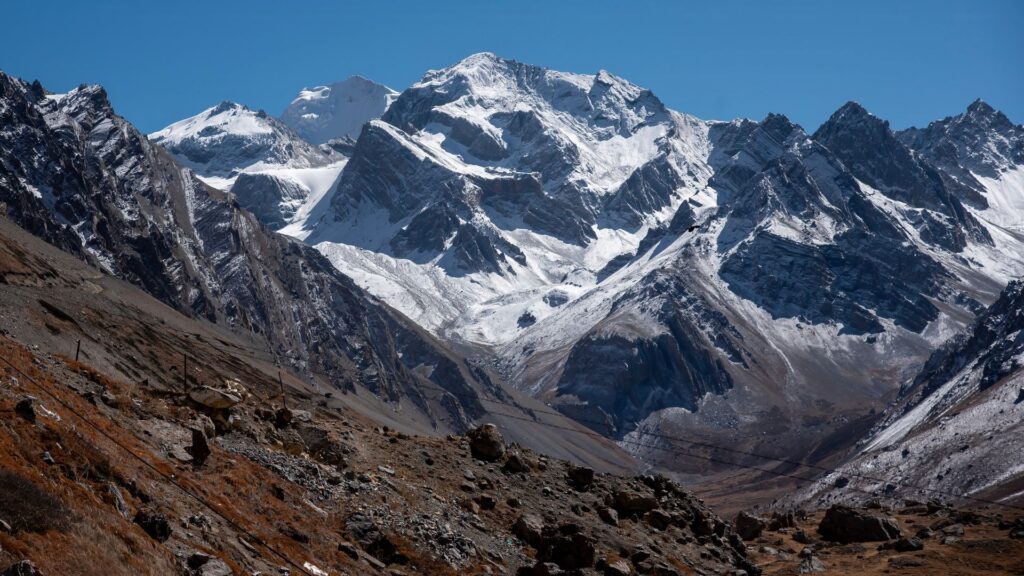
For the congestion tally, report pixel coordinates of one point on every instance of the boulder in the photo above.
(26, 408)
(749, 526)
(844, 524)
(486, 501)
(546, 569)
(516, 463)
(215, 567)
(283, 417)
(608, 515)
(486, 443)
(214, 398)
(528, 528)
(580, 477)
(567, 547)
(904, 545)
(154, 524)
(658, 519)
(628, 502)
(811, 565)
(954, 530)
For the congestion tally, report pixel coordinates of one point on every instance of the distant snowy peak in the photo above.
(980, 153)
(580, 133)
(230, 138)
(982, 140)
(473, 161)
(337, 111)
(268, 167)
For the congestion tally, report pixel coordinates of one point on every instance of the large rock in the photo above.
(26, 408)
(580, 477)
(214, 398)
(749, 526)
(844, 524)
(628, 503)
(811, 565)
(567, 547)
(486, 443)
(154, 524)
(528, 528)
(516, 463)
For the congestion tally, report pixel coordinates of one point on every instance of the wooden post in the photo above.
(78, 348)
(184, 372)
(284, 397)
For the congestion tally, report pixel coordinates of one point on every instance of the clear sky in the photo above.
(907, 61)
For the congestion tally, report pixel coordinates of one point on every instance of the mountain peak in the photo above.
(482, 58)
(779, 125)
(222, 140)
(979, 106)
(983, 115)
(337, 110)
(225, 106)
(854, 113)
(852, 118)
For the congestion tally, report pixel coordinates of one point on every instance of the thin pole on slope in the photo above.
(284, 397)
(184, 372)
(78, 348)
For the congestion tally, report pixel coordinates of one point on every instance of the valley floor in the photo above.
(984, 549)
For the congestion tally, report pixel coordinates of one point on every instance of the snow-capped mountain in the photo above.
(954, 424)
(337, 111)
(489, 178)
(641, 268)
(273, 172)
(82, 178)
(983, 152)
(227, 139)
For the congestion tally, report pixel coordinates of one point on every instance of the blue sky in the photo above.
(907, 61)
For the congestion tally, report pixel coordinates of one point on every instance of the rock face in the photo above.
(967, 148)
(962, 407)
(875, 156)
(640, 269)
(630, 503)
(845, 525)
